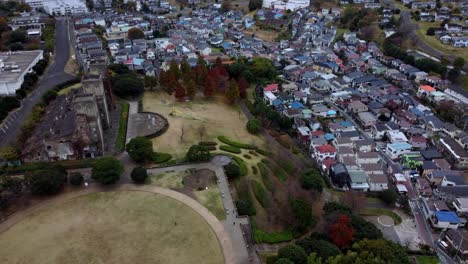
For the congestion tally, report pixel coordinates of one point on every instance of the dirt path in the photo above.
(222, 236)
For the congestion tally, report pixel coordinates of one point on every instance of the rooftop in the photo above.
(15, 63)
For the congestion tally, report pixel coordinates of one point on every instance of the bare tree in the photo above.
(182, 134)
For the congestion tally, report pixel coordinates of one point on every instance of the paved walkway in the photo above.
(230, 255)
(232, 224)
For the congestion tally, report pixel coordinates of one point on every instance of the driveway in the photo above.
(54, 75)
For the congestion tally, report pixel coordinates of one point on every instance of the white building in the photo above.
(285, 5)
(59, 7)
(13, 67)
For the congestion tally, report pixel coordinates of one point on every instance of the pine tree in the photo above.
(201, 71)
(190, 88)
(243, 85)
(232, 94)
(174, 69)
(210, 86)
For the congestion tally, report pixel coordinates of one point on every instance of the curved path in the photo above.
(213, 222)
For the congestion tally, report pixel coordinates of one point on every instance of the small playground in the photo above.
(198, 120)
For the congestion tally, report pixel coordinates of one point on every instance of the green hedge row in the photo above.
(242, 165)
(233, 143)
(231, 149)
(265, 176)
(207, 147)
(207, 143)
(260, 194)
(271, 238)
(159, 157)
(263, 152)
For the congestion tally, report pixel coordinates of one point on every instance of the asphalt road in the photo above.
(54, 75)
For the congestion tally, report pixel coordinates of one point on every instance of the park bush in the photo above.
(230, 149)
(260, 193)
(207, 143)
(271, 238)
(208, 148)
(262, 152)
(76, 179)
(197, 153)
(139, 175)
(312, 180)
(242, 165)
(232, 170)
(253, 126)
(107, 170)
(45, 182)
(247, 156)
(140, 149)
(160, 157)
(233, 143)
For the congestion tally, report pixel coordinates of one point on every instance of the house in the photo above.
(323, 152)
(367, 119)
(368, 157)
(343, 142)
(345, 151)
(453, 28)
(424, 90)
(453, 180)
(274, 88)
(458, 241)
(378, 131)
(364, 145)
(269, 97)
(396, 150)
(358, 180)
(350, 162)
(357, 107)
(423, 187)
(436, 177)
(453, 152)
(377, 182)
(395, 136)
(339, 175)
(445, 220)
(418, 142)
(460, 41)
(461, 205)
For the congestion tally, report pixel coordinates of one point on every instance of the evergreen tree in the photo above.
(174, 69)
(210, 86)
(232, 93)
(201, 71)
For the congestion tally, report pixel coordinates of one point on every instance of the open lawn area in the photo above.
(427, 260)
(211, 199)
(435, 43)
(197, 120)
(171, 180)
(112, 227)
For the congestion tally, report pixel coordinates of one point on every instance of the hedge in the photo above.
(265, 176)
(260, 193)
(263, 152)
(207, 147)
(227, 141)
(271, 238)
(242, 165)
(231, 149)
(207, 143)
(160, 157)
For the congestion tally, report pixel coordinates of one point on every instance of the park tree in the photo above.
(341, 232)
(12, 184)
(180, 92)
(127, 85)
(190, 87)
(322, 248)
(389, 196)
(150, 82)
(198, 153)
(174, 69)
(210, 86)
(243, 85)
(283, 261)
(18, 35)
(263, 68)
(9, 153)
(459, 63)
(232, 94)
(186, 70)
(314, 259)
(140, 149)
(107, 170)
(312, 180)
(294, 253)
(135, 33)
(391, 252)
(232, 170)
(45, 182)
(254, 126)
(76, 179)
(354, 257)
(201, 70)
(302, 216)
(139, 175)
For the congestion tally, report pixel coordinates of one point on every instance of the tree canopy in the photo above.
(107, 170)
(322, 248)
(126, 85)
(293, 253)
(140, 149)
(135, 33)
(139, 175)
(312, 180)
(303, 218)
(45, 182)
(254, 126)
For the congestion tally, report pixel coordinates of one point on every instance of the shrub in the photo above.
(232, 170)
(271, 238)
(260, 193)
(247, 156)
(139, 175)
(262, 152)
(208, 148)
(197, 153)
(312, 179)
(253, 126)
(45, 182)
(76, 179)
(294, 253)
(207, 143)
(230, 149)
(242, 165)
(227, 141)
(245, 207)
(140, 149)
(160, 157)
(107, 170)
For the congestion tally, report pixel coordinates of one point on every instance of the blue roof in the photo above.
(444, 216)
(400, 146)
(277, 102)
(331, 112)
(297, 105)
(226, 45)
(329, 136)
(416, 111)
(346, 123)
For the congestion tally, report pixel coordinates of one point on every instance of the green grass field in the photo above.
(427, 260)
(112, 227)
(171, 180)
(211, 199)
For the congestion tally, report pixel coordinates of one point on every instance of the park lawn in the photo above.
(199, 120)
(435, 43)
(171, 180)
(211, 199)
(68, 89)
(427, 260)
(380, 211)
(112, 227)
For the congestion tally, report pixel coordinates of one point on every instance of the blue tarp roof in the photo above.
(444, 216)
(331, 112)
(329, 136)
(346, 123)
(416, 111)
(297, 105)
(277, 102)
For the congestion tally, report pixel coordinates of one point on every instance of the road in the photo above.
(54, 75)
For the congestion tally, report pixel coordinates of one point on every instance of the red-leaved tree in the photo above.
(210, 86)
(341, 232)
(180, 92)
(243, 85)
